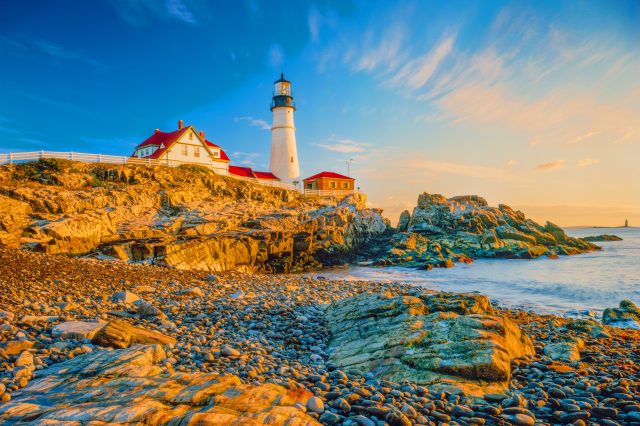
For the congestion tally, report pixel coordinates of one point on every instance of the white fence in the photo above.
(328, 192)
(21, 157)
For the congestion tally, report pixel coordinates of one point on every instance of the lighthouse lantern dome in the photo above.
(282, 87)
(282, 94)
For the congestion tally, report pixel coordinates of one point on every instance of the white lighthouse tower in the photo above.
(284, 154)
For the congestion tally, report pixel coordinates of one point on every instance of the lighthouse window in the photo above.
(291, 160)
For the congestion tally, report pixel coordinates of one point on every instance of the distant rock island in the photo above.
(602, 237)
(442, 231)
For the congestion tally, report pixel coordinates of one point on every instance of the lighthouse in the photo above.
(284, 154)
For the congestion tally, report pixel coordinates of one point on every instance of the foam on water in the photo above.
(591, 281)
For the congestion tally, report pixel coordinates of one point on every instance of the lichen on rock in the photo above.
(455, 341)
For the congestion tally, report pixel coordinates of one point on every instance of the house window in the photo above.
(345, 185)
(332, 184)
(196, 152)
(185, 150)
(190, 136)
(309, 186)
(216, 154)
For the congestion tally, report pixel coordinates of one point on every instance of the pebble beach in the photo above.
(270, 329)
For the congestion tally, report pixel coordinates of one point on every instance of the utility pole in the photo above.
(349, 161)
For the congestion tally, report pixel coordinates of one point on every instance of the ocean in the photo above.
(580, 285)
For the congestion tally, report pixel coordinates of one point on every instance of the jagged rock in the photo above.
(121, 334)
(403, 222)
(147, 310)
(128, 386)
(6, 316)
(77, 330)
(193, 291)
(627, 315)
(178, 218)
(455, 341)
(441, 231)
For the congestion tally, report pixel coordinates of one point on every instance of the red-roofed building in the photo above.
(329, 184)
(183, 146)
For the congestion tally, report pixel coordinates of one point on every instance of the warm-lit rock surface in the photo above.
(441, 231)
(186, 217)
(129, 386)
(456, 341)
(273, 334)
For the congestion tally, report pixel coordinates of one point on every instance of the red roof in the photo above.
(223, 155)
(328, 175)
(241, 171)
(265, 175)
(164, 140)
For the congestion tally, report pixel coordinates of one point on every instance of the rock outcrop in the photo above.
(182, 217)
(456, 342)
(602, 237)
(627, 315)
(441, 231)
(129, 386)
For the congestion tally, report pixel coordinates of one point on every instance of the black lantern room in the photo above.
(282, 94)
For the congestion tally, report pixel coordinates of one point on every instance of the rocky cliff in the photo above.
(441, 231)
(185, 217)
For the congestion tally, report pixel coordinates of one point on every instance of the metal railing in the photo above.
(23, 157)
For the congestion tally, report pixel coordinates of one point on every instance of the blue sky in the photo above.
(535, 104)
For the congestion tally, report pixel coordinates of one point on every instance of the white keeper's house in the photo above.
(183, 146)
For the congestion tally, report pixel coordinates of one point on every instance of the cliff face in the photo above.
(442, 231)
(186, 218)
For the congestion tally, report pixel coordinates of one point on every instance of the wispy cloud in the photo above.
(275, 56)
(313, 21)
(8, 130)
(511, 163)
(52, 50)
(245, 158)
(256, 122)
(415, 73)
(178, 9)
(580, 138)
(343, 145)
(587, 162)
(551, 165)
(141, 12)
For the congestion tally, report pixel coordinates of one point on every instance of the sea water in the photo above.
(576, 285)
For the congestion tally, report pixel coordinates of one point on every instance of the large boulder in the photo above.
(120, 334)
(455, 342)
(627, 315)
(77, 330)
(128, 386)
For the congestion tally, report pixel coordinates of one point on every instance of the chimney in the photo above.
(202, 134)
(157, 130)
(180, 124)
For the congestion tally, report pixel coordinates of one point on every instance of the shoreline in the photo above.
(272, 330)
